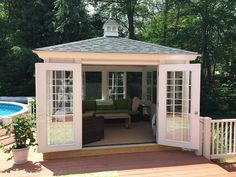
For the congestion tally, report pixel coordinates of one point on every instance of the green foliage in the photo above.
(207, 27)
(17, 73)
(22, 127)
(204, 26)
(71, 20)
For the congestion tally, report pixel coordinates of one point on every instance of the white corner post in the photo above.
(199, 152)
(207, 138)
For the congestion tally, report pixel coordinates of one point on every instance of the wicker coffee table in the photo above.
(125, 116)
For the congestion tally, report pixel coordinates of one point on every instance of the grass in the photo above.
(227, 160)
(97, 174)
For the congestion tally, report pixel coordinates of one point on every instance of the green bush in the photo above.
(22, 127)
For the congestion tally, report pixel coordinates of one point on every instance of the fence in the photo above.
(219, 138)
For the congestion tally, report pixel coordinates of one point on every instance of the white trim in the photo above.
(121, 58)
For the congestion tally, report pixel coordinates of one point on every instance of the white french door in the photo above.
(59, 106)
(178, 109)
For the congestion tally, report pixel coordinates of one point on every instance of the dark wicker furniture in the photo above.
(93, 129)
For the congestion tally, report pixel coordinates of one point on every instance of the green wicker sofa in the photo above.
(110, 107)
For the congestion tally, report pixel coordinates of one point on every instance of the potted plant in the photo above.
(22, 128)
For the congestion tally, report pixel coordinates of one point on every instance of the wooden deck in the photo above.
(156, 164)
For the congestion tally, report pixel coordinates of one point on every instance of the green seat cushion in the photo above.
(105, 107)
(122, 104)
(116, 111)
(89, 105)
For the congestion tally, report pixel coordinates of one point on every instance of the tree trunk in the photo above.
(165, 22)
(205, 45)
(130, 14)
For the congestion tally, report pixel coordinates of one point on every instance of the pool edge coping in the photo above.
(22, 111)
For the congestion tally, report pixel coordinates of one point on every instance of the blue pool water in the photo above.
(8, 109)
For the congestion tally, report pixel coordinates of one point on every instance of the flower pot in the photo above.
(20, 156)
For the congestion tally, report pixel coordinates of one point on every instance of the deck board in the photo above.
(158, 164)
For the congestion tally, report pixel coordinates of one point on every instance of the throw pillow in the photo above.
(88, 114)
(135, 104)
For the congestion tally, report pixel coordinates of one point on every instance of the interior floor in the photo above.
(118, 134)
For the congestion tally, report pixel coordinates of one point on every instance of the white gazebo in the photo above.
(80, 70)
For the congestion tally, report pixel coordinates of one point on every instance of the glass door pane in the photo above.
(178, 100)
(60, 115)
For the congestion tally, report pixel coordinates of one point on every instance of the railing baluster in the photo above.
(212, 138)
(222, 142)
(217, 138)
(230, 138)
(234, 137)
(226, 137)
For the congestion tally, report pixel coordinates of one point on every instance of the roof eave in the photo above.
(112, 56)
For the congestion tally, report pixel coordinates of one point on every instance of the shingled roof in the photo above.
(114, 45)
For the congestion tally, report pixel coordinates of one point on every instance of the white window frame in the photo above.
(123, 86)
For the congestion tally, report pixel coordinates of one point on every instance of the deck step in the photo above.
(6, 139)
(105, 150)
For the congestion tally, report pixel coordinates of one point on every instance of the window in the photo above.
(93, 85)
(149, 86)
(152, 86)
(114, 28)
(134, 84)
(108, 28)
(116, 85)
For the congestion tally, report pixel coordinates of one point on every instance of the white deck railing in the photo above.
(219, 138)
(32, 107)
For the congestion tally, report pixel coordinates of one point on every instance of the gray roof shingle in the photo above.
(114, 45)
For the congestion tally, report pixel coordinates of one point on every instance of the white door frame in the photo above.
(41, 103)
(195, 108)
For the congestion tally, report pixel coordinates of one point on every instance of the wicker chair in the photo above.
(93, 129)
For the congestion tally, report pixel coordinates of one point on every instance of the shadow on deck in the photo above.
(171, 164)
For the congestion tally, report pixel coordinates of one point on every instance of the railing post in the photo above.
(29, 105)
(207, 137)
(199, 152)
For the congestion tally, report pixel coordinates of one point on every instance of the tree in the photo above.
(30, 22)
(71, 20)
(126, 12)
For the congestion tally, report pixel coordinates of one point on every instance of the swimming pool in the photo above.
(11, 109)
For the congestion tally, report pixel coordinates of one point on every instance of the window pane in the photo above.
(134, 84)
(60, 107)
(116, 85)
(149, 86)
(177, 107)
(154, 99)
(93, 81)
